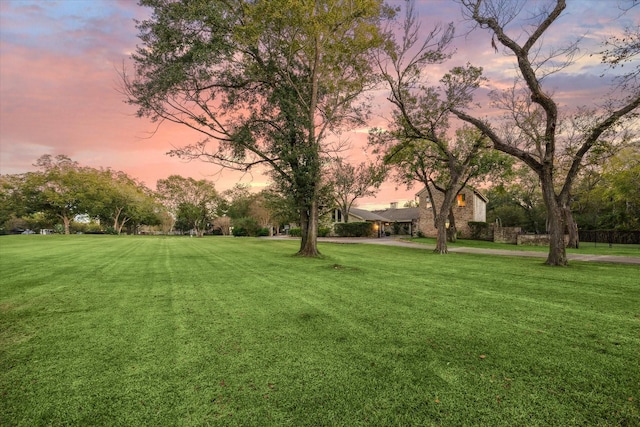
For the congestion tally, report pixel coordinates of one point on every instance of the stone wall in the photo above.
(537, 239)
(506, 234)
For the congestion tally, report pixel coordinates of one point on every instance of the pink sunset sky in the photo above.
(59, 83)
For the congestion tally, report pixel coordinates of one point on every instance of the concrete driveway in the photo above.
(391, 241)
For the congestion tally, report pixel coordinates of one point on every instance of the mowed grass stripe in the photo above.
(220, 331)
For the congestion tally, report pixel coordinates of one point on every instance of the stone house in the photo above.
(391, 221)
(470, 205)
(362, 215)
(400, 221)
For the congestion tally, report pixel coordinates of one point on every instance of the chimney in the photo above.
(394, 205)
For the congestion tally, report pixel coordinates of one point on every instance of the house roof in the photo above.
(366, 215)
(399, 215)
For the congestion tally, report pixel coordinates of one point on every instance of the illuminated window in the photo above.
(461, 201)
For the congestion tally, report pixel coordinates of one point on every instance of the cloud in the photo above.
(59, 86)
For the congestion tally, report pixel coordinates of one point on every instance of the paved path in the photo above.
(397, 242)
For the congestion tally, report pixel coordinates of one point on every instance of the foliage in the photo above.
(246, 226)
(479, 230)
(122, 200)
(193, 203)
(236, 202)
(12, 204)
(324, 231)
(532, 128)
(62, 190)
(518, 202)
(295, 232)
(263, 82)
(354, 229)
(418, 145)
(609, 198)
(348, 183)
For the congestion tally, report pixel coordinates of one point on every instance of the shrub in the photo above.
(354, 229)
(397, 228)
(480, 230)
(295, 232)
(245, 227)
(323, 231)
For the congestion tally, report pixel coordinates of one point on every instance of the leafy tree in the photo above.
(192, 202)
(60, 189)
(246, 226)
(417, 145)
(120, 200)
(237, 202)
(264, 82)
(609, 198)
(222, 224)
(517, 202)
(282, 210)
(350, 183)
(531, 128)
(12, 203)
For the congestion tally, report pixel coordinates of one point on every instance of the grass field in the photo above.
(107, 330)
(585, 247)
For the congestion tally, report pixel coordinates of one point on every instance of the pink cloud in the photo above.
(59, 88)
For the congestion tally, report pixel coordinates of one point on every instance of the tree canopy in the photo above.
(264, 83)
(531, 128)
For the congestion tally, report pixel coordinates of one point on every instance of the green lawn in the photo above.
(590, 248)
(106, 330)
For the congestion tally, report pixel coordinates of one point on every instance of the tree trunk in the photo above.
(452, 232)
(345, 213)
(557, 251)
(572, 228)
(117, 226)
(441, 240)
(441, 219)
(309, 231)
(121, 226)
(67, 224)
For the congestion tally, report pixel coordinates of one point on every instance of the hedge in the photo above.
(354, 229)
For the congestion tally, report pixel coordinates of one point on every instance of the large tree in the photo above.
(120, 200)
(60, 189)
(264, 82)
(194, 203)
(517, 201)
(419, 143)
(531, 130)
(609, 197)
(349, 183)
(12, 202)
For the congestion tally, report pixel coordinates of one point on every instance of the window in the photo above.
(461, 202)
(337, 215)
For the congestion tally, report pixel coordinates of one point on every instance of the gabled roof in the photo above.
(399, 215)
(366, 215)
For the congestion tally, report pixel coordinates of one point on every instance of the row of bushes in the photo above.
(349, 229)
(354, 229)
(322, 232)
(248, 226)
